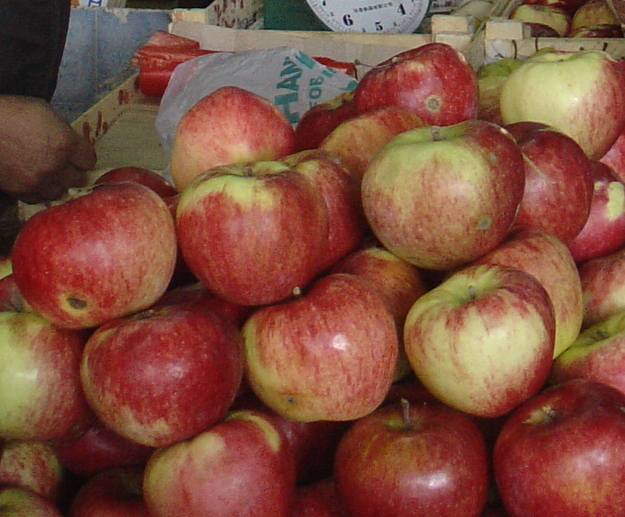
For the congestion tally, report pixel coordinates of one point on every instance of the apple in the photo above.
(255, 233)
(554, 17)
(10, 297)
(319, 120)
(546, 258)
(147, 177)
(40, 392)
(359, 138)
(439, 197)
(558, 186)
(97, 449)
(482, 341)
(229, 125)
(115, 492)
(603, 287)
(560, 453)
(411, 460)
(589, 109)
(241, 467)
(23, 502)
(540, 30)
(319, 499)
(340, 187)
(604, 231)
(597, 354)
(592, 13)
(399, 282)
(491, 77)
(605, 30)
(184, 359)
(34, 465)
(78, 269)
(329, 354)
(615, 156)
(434, 81)
(570, 6)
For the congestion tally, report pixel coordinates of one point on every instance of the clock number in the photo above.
(378, 26)
(401, 9)
(348, 20)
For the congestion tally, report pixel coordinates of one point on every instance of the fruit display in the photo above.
(411, 304)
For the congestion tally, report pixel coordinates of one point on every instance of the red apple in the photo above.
(116, 492)
(34, 465)
(23, 502)
(558, 186)
(184, 359)
(482, 341)
(255, 233)
(147, 177)
(97, 449)
(560, 454)
(603, 287)
(554, 17)
(40, 396)
(439, 197)
(604, 231)
(241, 467)
(319, 499)
(359, 138)
(316, 123)
(547, 259)
(340, 187)
(106, 253)
(413, 460)
(327, 355)
(580, 94)
(399, 282)
(434, 81)
(230, 125)
(597, 354)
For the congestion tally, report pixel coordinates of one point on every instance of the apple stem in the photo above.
(405, 405)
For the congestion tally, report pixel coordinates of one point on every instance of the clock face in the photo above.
(380, 16)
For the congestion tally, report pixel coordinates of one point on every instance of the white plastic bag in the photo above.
(285, 76)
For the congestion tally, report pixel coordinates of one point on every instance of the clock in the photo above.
(373, 16)
(381, 16)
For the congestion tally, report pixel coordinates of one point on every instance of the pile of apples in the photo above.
(568, 18)
(409, 304)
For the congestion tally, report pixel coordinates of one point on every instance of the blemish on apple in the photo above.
(484, 223)
(433, 103)
(76, 303)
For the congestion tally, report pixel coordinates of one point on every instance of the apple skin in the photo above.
(147, 177)
(593, 12)
(10, 297)
(604, 231)
(603, 287)
(230, 125)
(34, 465)
(456, 335)
(491, 77)
(434, 81)
(558, 186)
(357, 139)
(40, 397)
(598, 354)
(591, 109)
(327, 355)
(319, 121)
(116, 492)
(23, 502)
(547, 259)
(79, 271)
(554, 17)
(186, 360)
(560, 453)
(615, 156)
(340, 188)
(97, 449)
(240, 467)
(399, 282)
(421, 459)
(408, 187)
(319, 499)
(235, 222)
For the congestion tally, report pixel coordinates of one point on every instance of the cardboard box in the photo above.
(99, 3)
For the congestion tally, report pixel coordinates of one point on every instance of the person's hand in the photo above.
(41, 156)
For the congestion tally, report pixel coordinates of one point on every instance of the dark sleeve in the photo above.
(32, 38)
